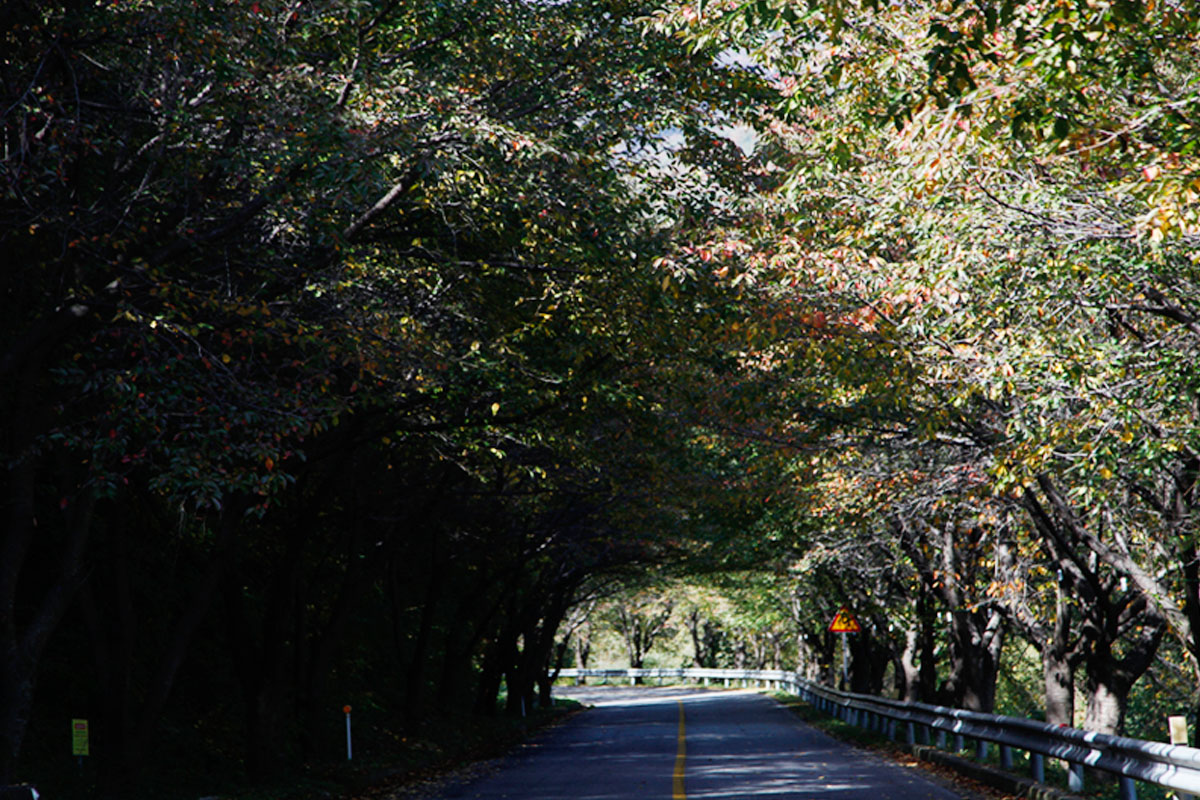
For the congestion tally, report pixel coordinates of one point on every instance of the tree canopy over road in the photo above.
(348, 346)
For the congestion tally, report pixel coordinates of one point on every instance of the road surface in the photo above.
(677, 743)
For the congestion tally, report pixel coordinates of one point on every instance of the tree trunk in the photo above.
(909, 682)
(1059, 678)
(499, 654)
(1110, 679)
(583, 651)
(414, 683)
(325, 645)
(134, 722)
(1058, 669)
(260, 654)
(475, 612)
(1106, 702)
(977, 638)
(21, 650)
(927, 646)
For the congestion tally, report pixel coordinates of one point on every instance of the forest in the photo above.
(372, 352)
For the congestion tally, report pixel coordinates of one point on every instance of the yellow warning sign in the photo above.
(79, 737)
(844, 622)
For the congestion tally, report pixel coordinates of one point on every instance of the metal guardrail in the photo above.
(1131, 760)
(763, 677)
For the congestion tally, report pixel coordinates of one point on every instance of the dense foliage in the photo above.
(351, 351)
(984, 326)
(335, 357)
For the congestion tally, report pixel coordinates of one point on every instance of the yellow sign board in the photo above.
(844, 622)
(79, 737)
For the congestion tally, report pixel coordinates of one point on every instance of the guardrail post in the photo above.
(1075, 777)
(960, 744)
(1128, 788)
(1006, 758)
(911, 733)
(1178, 730)
(941, 739)
(1037, 765)
(981, 749)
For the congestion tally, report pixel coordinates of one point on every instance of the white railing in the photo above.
(774, 678)
(1173, 766)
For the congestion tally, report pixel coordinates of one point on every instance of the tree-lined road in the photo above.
(736, 745)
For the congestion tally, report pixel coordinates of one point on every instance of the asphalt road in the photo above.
(729, 744)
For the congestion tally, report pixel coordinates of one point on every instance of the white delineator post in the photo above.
(1177, 727)
(349, 748)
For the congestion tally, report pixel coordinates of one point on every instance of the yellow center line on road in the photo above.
(677, 792)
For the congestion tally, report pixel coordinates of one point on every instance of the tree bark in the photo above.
(1058, 669)
(909, 683)
(976, 633)
(21, 650)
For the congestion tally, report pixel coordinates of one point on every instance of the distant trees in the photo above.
(641, 618)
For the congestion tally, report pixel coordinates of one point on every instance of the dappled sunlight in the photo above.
(738, 744)
(780, 773)
(639, 695)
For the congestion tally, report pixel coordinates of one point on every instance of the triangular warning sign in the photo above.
(844, 622)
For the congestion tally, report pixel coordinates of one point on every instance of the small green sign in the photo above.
(79, 737)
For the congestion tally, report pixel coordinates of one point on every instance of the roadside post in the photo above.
(1179, 735)
(79, 740)
(844, 623)
(349, 748)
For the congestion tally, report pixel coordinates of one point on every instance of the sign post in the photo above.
(844, 623)
(79, 740)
